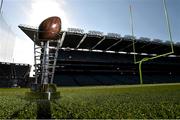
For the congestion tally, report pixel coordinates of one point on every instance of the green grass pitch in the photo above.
(105, 102)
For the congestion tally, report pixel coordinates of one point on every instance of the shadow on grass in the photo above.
(43, 109)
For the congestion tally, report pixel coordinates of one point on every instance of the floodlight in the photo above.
(115, 35)
(178, 43)
(98, 33)
(146, 39)
(129, 37)
(168, 42)
(76, 30)
(157, 40)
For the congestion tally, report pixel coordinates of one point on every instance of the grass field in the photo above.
(133, 101)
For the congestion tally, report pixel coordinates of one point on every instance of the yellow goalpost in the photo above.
(157, 56)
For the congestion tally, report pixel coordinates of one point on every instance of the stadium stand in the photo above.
(14, 75)
(97, 59)
(69, 80)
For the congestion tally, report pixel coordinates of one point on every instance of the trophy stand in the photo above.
(43, 87)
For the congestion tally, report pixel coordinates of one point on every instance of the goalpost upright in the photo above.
(157, 56)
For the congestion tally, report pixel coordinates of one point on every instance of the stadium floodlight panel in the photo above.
(172, 56)
(157, 40)
(98, 33)
(76, 30)
(178, 43)
(115, 35)
(133, 53)
(143, 54)
(129, 37)
(168, 42)
(153, 54)
(109, 51)
(145, 39)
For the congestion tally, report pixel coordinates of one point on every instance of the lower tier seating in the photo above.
(111, 79)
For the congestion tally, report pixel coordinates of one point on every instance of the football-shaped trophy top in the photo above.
(49, 29)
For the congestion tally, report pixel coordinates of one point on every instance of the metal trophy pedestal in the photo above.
(43, 88)
(44, 62)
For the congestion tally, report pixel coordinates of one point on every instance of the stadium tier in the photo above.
(14, 75)
(96, 59)
(88, 41)
(11, 74)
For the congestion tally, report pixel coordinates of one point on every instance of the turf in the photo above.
(13, 105)
(106, 102)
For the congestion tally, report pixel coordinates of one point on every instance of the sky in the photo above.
(107, 16)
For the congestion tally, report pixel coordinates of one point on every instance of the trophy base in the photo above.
(43, 92)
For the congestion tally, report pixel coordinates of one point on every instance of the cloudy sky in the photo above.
(100, 15)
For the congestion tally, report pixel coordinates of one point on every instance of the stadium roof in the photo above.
(94, 40)
(8, 63)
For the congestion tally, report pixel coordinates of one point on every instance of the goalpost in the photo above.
(157, 56)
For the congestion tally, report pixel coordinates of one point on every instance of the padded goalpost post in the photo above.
(157, 56)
